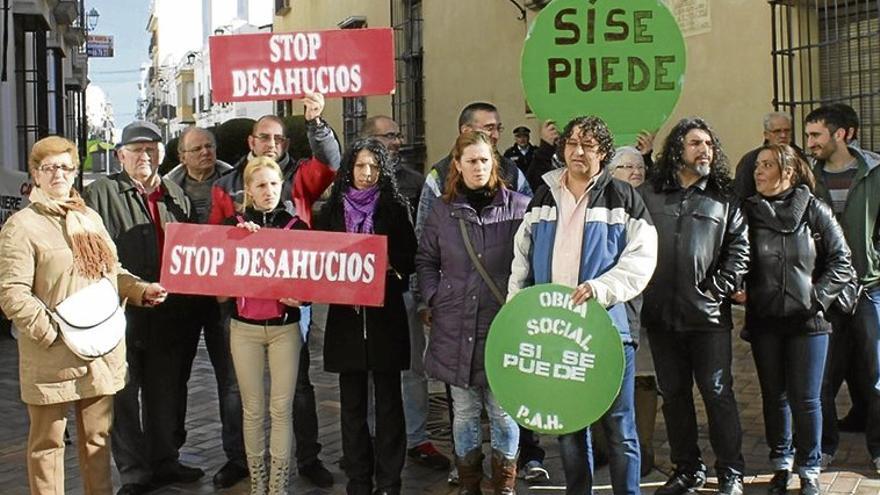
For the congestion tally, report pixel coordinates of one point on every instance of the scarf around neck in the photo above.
(359, 206)
(92, 256)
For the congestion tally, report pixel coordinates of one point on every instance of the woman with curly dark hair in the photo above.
(702, 255)
(363, 342)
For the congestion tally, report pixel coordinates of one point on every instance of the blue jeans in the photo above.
(414, 380)
(790, 372)
(680, 359)
(619, 423)
(862, 332)
(467, 403)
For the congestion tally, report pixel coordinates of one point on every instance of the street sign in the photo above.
(283, 66)
(621, 61)
(98, 45)
(555, 367)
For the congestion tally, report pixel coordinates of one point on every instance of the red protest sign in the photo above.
(283, 66)
(323, 267)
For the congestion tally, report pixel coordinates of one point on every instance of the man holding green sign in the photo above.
(624, 61)
(585, 230)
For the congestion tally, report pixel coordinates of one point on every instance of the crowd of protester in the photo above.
(666, 242)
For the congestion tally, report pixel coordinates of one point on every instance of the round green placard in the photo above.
(554, 367)
(621, 61)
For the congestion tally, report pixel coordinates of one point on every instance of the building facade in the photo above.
(43, 75)
(177, 85)
(454, 52)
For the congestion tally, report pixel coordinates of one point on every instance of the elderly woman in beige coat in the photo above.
(51, 249)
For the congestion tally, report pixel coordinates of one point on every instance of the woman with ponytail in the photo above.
(51, 250)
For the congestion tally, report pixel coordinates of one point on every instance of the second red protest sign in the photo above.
(325, 267)
(283, 66)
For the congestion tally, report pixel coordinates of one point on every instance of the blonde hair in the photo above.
(251, 168)
(48, 146)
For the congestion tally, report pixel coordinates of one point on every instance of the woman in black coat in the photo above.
(800, 264)
(365, 341)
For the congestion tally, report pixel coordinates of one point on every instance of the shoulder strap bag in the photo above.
(91, 321)
(476, 261)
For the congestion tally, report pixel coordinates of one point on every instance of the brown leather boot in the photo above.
(470, 472)
(503, 474)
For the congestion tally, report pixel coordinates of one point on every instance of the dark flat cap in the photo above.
(140, 131)
(521, 130)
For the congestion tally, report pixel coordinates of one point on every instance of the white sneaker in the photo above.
(877, 464)
(534, 472)
(825, 461)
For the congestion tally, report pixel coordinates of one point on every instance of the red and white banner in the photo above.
(284, 66)
(314, 266)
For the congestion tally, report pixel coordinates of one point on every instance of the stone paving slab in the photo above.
(849, 474)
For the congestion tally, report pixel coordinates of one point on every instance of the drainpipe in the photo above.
(83, 125)
(5, 40)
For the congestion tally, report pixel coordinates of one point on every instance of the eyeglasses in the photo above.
(391, 136)
(138, 150)
(490, 128)
(630, 166)
(585, 147)
(198, 149)
(265, 138)
(50, 168)
(779, 131)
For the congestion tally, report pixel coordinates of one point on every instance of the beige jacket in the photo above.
(36, 265)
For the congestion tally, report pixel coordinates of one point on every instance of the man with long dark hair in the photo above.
(702, 256)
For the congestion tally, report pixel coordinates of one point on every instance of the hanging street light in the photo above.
(92, 19)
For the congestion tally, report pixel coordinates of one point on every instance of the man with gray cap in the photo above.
(135, 205)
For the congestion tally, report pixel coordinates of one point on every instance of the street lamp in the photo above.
(88, 23)
(92, 19)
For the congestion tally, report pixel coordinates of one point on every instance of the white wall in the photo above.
(180, 29)
(261, 12)
(8, 137)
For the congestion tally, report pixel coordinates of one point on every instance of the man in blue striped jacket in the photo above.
(589, 231)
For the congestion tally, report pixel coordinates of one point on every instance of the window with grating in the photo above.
(409, 98)
(849, 61)
(32, 84)
(354, 109)
(828, 51)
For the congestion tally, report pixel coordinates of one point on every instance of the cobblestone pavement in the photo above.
(850, 472)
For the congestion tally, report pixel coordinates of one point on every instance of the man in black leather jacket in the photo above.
(702, 256)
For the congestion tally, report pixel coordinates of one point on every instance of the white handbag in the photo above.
(91, 320)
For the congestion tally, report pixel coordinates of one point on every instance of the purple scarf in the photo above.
(359, 207)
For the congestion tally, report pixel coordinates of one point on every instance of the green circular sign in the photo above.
(621, 61)
(554, 367)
